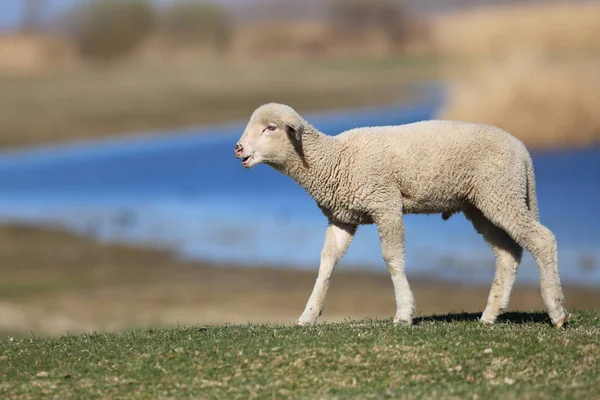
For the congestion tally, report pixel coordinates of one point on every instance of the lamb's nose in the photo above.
(238, 148)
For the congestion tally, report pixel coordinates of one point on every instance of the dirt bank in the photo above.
(54, 283)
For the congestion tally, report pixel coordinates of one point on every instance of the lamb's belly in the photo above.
(348, 216)
(431, 205)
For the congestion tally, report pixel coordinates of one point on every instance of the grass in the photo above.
(450, 356)
(97, 102)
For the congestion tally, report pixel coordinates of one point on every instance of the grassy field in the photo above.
(95, 102)
(450, 356)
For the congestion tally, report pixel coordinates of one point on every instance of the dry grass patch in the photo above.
(33, 53)
(553, 27)
(544, 103)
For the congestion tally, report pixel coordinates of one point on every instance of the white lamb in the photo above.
(378, 174)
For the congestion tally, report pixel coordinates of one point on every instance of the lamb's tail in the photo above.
(532, 202)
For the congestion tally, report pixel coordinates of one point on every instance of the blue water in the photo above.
(186, 192)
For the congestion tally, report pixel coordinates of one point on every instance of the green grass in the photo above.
(450, 356)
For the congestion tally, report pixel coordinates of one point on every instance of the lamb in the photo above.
(375, 175)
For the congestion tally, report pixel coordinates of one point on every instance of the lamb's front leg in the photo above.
(337, 239)
(391, 235)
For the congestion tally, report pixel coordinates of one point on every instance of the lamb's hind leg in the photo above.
(512, 215)
(391, 235)
(508, 256)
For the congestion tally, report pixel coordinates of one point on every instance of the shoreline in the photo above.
(72, 284)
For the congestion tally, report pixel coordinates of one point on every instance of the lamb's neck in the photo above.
(318, 170)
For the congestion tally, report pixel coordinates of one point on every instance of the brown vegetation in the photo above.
(540, 81)
(544, 103)
(280, 39)
(549, 27)
(364, 28)
(186, 23)
(75, 284)
(111, 29)
(27, 53)
(107, 29)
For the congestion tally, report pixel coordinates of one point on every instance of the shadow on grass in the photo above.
(510, 317)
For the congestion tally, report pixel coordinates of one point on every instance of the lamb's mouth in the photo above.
(246, 159)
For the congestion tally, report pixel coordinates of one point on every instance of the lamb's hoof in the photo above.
(558, 316)
(403, 321)
(306, 321)
(486, 321)
(559, 323)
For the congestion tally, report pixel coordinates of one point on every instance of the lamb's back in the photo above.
(429, 136)
(434, 163)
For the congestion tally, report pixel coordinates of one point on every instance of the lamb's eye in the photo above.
(270, 128)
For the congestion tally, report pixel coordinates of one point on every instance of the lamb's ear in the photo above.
(294, 128)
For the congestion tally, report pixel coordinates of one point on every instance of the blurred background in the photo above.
(122, 206)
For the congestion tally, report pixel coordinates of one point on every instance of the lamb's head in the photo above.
(273, 136)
